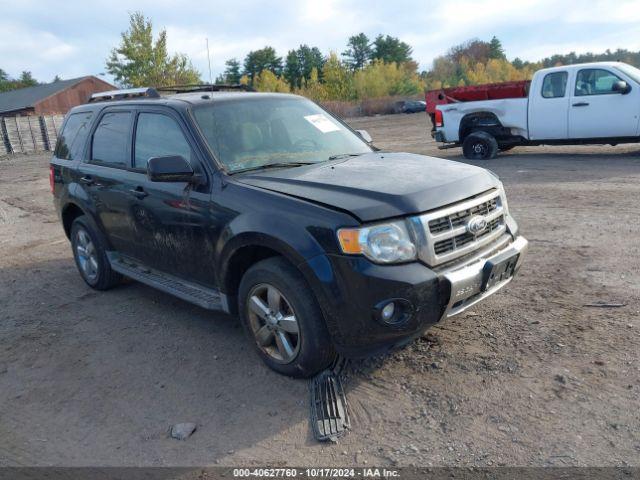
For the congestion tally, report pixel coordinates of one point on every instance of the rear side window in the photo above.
(595, 81)
(158, 135)
(111, 139)
(74, 134)
(554, 85)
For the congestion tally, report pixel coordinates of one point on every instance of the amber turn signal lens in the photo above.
(349, 240)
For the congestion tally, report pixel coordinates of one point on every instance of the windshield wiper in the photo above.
(273, 165)
(344, 155)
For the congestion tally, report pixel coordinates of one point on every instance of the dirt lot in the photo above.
(531, 377)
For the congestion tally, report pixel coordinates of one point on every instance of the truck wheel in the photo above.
(90, 254)
(479, 146)
(283, 320)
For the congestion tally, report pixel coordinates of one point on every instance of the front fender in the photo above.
(287, 237)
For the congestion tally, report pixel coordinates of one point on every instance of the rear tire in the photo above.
(479, 146)
(90, 254)
(283, 320)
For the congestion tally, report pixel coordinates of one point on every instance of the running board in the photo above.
(208, 298)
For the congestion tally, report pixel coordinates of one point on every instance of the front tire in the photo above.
(479, 146)
(283, 320)
(90, 255)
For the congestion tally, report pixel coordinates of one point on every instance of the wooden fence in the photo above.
(29, 134)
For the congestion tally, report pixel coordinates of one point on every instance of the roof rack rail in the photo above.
(205, 87)
(125, 94)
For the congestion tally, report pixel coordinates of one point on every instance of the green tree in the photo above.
(299, 64)
(309, 58)
(391, 49)
(338, 79)
(4, 81)
(232, 71)
(518, 63)
(358, 52)
(264, 59)
(57, 79)
(139, 61)
(292, 70)
(495, 49)
(26, 79)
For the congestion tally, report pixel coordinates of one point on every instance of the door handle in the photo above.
(138, 192)
(581, 104)
(87, 180)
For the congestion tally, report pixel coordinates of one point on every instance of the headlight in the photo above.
(382, 243)
(503, 198)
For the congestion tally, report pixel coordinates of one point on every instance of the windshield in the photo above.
(632, 72)
(256, 132)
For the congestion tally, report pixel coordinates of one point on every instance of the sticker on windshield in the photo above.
(322, 123)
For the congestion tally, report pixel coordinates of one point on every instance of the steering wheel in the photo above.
(306, 144)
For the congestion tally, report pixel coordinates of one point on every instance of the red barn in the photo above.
(56, 97)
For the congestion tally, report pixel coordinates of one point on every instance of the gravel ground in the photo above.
(533, 376)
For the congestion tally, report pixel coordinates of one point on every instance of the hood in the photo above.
(378, 185)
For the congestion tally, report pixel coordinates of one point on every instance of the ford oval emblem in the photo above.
(476, 225)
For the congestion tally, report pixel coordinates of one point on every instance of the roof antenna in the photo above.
(209, 60)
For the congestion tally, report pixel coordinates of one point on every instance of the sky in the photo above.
(73, 38)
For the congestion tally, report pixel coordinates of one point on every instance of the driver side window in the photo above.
(595, 81)
(158, 135)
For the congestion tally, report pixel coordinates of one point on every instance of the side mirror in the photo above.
(173, 168)
(621, 87)
(365, 135)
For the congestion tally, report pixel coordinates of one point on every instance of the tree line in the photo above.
(24, 80)
(366, 68)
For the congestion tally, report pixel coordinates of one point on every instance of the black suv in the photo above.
(267, 206)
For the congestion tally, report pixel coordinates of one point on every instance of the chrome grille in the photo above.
(456, 219)
(443, 234)
(459, 241)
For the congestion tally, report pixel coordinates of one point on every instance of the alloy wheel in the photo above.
(87, 255)
(273, 323)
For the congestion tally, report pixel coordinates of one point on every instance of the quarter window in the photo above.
(158, 135)
(554, 85)
(595, 81)
(72, 139)
(111, 139)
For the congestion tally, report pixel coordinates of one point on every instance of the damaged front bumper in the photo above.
(472, 283)
(354, 289)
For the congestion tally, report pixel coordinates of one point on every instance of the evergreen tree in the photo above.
(358, 52)
(292, 70)
(309, 58)
(26, 79)
(263, 59)
(495, 49)
(5, 83)
(390, 49)
(232, 71)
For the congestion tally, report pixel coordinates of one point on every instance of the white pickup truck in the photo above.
(573, 104)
